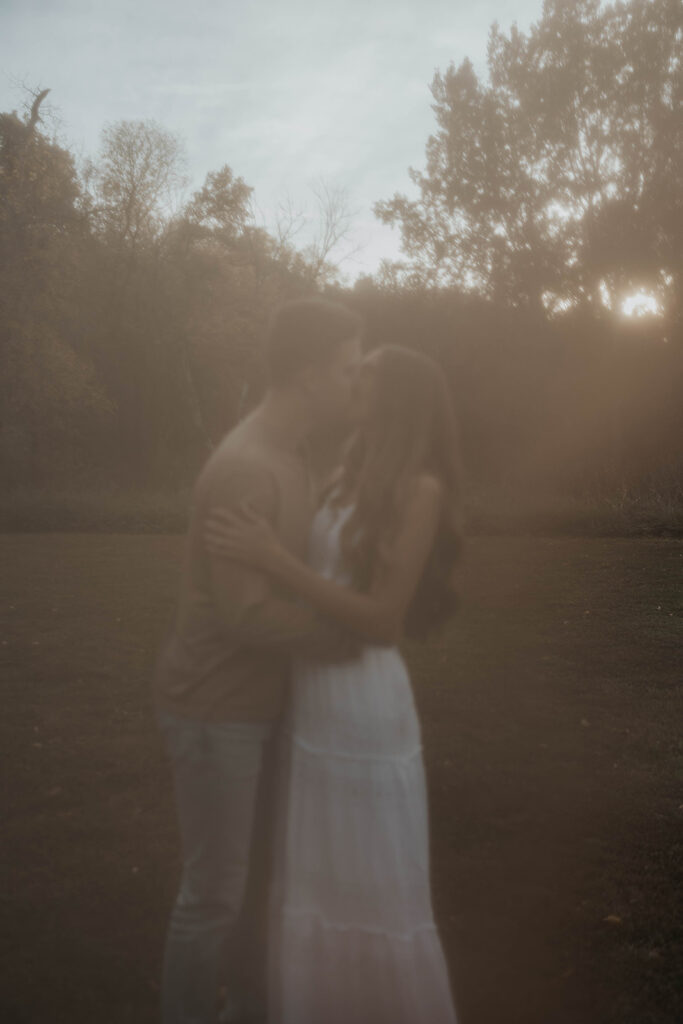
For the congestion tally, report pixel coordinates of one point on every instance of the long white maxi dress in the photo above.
(353, 939)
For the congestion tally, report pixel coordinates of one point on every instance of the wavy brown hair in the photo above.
(410, 429)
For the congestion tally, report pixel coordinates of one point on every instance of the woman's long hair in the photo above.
(410, 429)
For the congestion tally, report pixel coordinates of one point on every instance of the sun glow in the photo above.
(640, 304)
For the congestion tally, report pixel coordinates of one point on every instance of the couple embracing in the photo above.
(286, 707)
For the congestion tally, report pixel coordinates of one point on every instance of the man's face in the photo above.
(332, 386)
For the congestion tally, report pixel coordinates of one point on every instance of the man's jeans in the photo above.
(216, 768)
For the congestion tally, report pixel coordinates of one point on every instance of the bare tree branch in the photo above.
(289, 221)
(335, 218)
(35, 108)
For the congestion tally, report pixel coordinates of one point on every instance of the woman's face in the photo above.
(365, 391)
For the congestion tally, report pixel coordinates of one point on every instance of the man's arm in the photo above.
(293, 629)
(244, 598)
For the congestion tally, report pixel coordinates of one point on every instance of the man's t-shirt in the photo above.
(227, 655)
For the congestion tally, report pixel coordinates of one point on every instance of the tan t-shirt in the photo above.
(227, 655)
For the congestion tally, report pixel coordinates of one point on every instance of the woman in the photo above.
(353, 936)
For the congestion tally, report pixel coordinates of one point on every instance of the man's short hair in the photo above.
(307, 332)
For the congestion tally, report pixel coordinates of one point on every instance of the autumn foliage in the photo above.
(131, 315)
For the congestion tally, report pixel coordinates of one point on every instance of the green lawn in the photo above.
(552, 719)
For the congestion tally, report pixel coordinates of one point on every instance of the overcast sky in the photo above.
(284, 91)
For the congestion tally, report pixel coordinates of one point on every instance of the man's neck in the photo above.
(282, 420)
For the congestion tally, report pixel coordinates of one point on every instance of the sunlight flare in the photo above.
(640, 304)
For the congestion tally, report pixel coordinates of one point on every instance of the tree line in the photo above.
(131, 320)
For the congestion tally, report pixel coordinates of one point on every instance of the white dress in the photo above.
(353, 939)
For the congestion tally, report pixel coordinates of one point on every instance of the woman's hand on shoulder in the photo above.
(242, 535)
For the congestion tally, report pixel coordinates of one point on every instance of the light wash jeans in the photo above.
(217, 768)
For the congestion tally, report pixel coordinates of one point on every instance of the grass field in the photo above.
(654, 510)
(552, 723)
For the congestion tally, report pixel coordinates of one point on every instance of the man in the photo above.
(221, 675)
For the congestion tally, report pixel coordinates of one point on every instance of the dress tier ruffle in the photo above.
(353, 939)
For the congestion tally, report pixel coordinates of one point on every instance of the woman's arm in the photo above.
(377, 615)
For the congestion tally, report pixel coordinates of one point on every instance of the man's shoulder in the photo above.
(239, 467)
(237, 454)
